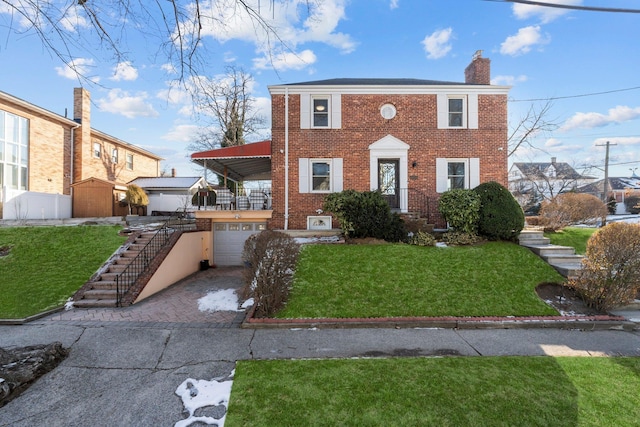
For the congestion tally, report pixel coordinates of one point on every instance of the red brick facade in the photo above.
(415, 124)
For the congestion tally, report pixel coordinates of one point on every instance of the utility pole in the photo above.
(606, 171)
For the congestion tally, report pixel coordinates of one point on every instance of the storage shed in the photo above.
(95, 197)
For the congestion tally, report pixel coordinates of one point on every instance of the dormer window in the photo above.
(321, 112)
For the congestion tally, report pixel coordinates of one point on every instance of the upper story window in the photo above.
(114, 155)
(97, 150)
(130, 161)
(14, 151)
(321, 112)
(456, 112)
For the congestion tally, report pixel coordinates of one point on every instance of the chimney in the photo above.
(479, 71)
(173, 172)
(553, 161)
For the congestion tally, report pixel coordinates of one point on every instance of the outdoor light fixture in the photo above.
(414, 164)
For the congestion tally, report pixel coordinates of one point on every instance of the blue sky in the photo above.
(589, 61)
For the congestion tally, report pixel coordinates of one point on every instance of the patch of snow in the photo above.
(221, 300)
(248, 303)
(325, 239)
(441, 245)
(68, 305)
(197, 394)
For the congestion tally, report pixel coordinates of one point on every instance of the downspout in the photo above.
(286, 158)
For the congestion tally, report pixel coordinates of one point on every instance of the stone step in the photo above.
(531, 241)
(567, 270)
(94, 303)
(104, 284)
(111, 277)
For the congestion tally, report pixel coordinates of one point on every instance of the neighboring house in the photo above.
(411, 139)
(531, 183)
(619, 188)
(44, 156)
(169, 193)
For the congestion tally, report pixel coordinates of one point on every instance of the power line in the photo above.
(572, 7)
(553, 98)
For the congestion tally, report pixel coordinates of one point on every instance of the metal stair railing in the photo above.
(141, 262)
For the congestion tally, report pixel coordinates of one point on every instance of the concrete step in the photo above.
(547, 250)
(94, 303)
(99, 294)
(541, 241)
(104, 284)
(567, 270)
(111, 277)
(563, 258)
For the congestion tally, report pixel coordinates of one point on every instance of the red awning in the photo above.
(249, 162)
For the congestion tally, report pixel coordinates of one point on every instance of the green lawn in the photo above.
(493, 279)
(457, 391)
(576, 237)
(46, 265)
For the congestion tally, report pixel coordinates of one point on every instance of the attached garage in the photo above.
(229, 238)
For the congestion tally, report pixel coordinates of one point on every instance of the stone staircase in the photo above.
(100, 290)
(563, 258)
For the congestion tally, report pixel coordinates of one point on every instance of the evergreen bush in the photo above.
(500, 217)
(461, 209)
(365, 214)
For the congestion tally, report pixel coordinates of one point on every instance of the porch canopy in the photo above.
(249, 162)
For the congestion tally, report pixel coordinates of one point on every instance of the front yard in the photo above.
(453, 391)
(389, 280)
(43, 266)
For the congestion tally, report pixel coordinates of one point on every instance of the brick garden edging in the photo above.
(599, 322)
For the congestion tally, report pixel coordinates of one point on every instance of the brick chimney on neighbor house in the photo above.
(479, 71)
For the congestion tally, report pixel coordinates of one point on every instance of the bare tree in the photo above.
(229, 107)
(534, 123)
(177, 27)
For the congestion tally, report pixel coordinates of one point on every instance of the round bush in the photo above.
(501, 217)
(572, 208)
(461, 209)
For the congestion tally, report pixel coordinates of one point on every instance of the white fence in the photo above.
(18, 204)
(168, 203)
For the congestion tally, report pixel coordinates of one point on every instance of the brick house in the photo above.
(44, 154)
(412, 139)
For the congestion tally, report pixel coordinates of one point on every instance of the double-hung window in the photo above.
(461, 173)
(321, 112)
(130, 162)
(456, 112)
(456, 175)
(114, 155)
(320, 176)
(97, 150)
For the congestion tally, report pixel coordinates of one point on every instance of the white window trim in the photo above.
(99, 151)
(469, 110)
(328, 113)
(127, 156)
(114, 155)
(335, 110)
(472, 172)
(305, 176)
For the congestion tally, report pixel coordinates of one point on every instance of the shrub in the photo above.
(461, 209)
(270, 258)
(632, 204)
(501, 217)
(572, 208)
(610, 274)
(135, 196)
(458, 238)
(365, 214)
(422, 239)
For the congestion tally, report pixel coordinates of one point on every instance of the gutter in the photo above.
(286, 158)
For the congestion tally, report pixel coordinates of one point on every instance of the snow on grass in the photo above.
(198, 394)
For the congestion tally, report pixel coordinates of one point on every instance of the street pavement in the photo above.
(125, 365)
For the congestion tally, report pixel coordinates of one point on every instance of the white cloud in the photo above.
(508, 80)
(169, 68)
(286, 61)
(124, 71)
(618, 140)
(74, 18)
(437, 44)
(619, 114)
(295, 22)
(78, 67)
(181, 133)
(394, 4)
(130, 106)
(522, 42)
(545, 14)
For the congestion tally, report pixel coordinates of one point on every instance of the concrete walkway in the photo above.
(125, 364)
